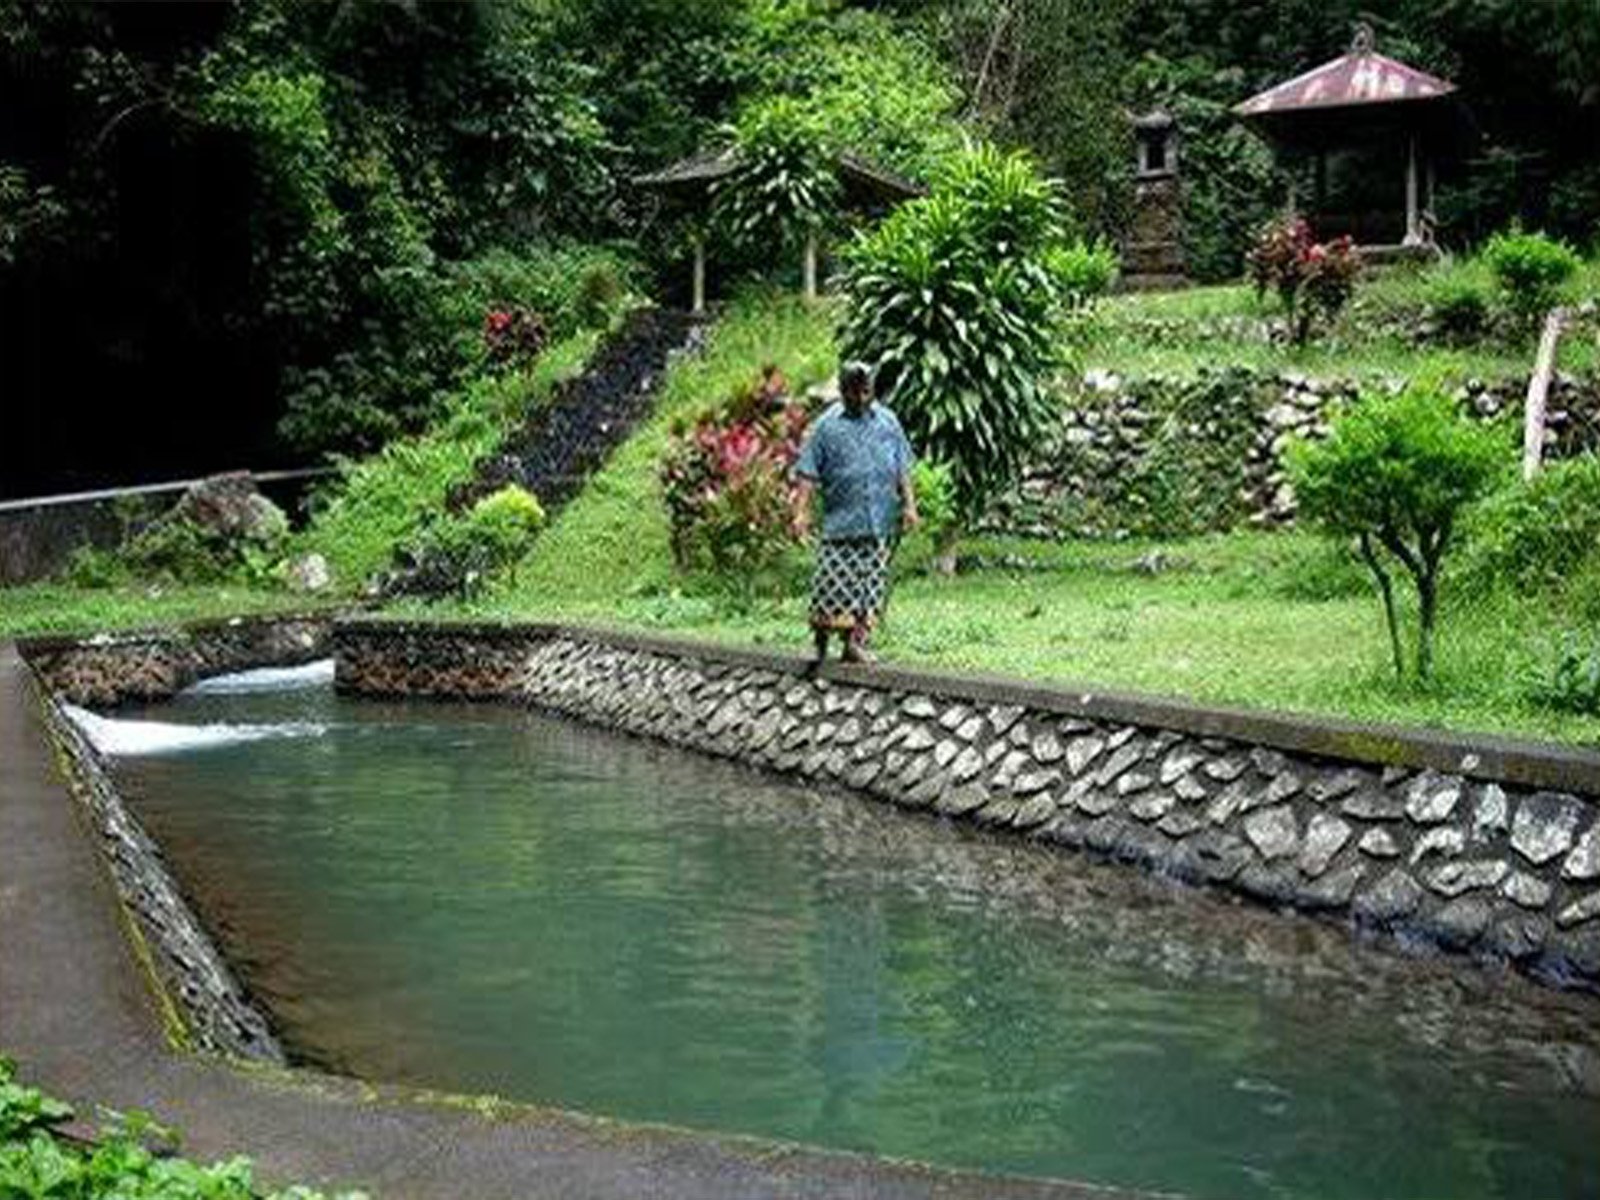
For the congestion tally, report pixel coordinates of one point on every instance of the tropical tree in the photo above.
(958, 300)
(1396, 474)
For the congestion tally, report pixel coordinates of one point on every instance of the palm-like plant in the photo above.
(783, 188)
(958, 299)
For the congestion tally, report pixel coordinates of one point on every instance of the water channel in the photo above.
(485, 899)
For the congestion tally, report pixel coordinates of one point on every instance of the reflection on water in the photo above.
(485, 899)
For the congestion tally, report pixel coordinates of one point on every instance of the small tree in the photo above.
(958, 298)
(1396, 473)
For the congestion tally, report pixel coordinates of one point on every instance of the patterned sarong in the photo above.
(849, 583)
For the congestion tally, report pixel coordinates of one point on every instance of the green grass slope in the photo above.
(1269, 620)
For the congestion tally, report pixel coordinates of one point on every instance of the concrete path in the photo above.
(81, 1019)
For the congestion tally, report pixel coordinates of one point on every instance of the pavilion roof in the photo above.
(1359, 79)
(705, 166)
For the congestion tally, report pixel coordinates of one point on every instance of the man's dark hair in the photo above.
(854, 375)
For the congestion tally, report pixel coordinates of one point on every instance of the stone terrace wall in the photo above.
(1174, 455)
(153, 665)
(216, 1013)
(1473, 848)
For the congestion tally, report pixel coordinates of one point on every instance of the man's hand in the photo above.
(910, 518)
(800, 523)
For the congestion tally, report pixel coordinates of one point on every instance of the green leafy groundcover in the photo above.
(36, 1163)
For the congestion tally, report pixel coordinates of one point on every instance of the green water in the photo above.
(484, 899)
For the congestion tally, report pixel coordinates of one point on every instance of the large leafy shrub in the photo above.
(1530, 269)
(1458, 303)
(466, 551)
(727, 483)
(1396, 474)
(958, 300)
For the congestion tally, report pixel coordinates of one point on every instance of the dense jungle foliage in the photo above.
(270, 228)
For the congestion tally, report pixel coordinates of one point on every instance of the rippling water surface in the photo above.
(484, 899)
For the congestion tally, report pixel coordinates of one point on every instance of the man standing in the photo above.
(858, 455)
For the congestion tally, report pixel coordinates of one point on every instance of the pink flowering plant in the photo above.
(514, 336)
(727, 479)
(1313, 279)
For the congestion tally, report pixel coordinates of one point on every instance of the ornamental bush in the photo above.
(1458, 305)
(1312, 279)
(1530, 270)
(1396, 474)
(514, 336)
(727, 483)
(958, 299)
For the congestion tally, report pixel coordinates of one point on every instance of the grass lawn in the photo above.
(1271, 620)
(1266, 620)
(61, 608)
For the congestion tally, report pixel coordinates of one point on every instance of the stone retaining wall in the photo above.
(1176, 455)
(1397, 831)
(153, 665)
(215, 1012)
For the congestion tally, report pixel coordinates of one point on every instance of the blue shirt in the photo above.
(859, 462)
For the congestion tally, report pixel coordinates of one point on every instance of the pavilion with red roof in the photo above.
(1389, 122)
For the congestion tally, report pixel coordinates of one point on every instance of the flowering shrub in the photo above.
(728, 485)
(514, 336)
(1313, 279)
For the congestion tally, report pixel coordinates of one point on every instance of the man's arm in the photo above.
(804, 488)
(910, 518)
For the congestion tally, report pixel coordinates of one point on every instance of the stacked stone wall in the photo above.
(111, 669)
(1173, 456)
(1496, 852)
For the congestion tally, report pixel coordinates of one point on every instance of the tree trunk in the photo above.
(1386, 589)
(1427, 608)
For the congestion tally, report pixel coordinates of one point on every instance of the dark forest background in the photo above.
(246, 234)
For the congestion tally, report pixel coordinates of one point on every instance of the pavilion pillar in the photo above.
(808, 269)
(1413, 210)
(699, 274)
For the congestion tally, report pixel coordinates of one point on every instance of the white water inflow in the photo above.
(267, 679)
(110, 735)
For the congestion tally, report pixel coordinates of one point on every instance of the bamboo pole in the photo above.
(1539, 393)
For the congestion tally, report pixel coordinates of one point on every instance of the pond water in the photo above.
(485, 899)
